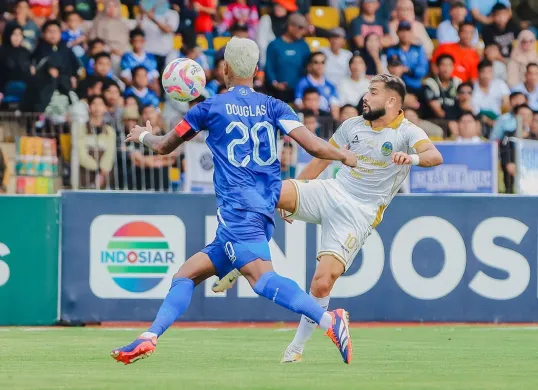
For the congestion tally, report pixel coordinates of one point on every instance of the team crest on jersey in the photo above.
(386, 149)
(243, 92)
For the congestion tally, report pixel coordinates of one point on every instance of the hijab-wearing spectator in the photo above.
(159, 23)
(15, 65)
(96, 144)
(273, 25)
(111, 28)
(523, 54)
(23, 18)
(374, 58)
(243, 13)
(405, 11)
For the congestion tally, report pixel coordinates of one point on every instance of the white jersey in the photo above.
(376, 179)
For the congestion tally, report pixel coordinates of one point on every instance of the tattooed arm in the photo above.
(165, 144)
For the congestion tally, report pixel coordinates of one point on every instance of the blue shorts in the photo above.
(242, 237)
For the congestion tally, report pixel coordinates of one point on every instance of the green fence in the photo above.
(29, 230)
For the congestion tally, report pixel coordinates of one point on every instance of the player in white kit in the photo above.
(350, 206)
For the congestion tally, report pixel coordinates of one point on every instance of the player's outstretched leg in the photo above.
(328, 270)
(194, 271)
(286, 293)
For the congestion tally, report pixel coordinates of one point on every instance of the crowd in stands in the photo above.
(93, 66)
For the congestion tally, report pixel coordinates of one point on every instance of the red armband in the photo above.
(184, 130)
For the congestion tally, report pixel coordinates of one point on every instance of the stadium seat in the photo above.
(351, 13)
(201, 41)
(435, 43)
(219, 42)
(124, 11)
(434, 16)
(100, 7)
(316, 43)
(178, 42)
(221, 11)
(136, 11)
(324, 17)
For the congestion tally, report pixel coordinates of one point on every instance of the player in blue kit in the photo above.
(242, 136)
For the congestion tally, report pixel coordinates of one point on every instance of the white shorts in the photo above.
(344, 225)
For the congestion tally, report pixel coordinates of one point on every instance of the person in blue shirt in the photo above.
(73, 36)
(413, 58)
(242, 130)
(139, 88)
(139, 57)
(287, 57)
(315, 78)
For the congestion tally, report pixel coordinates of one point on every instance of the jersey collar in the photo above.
(232, 88)
(392, 125)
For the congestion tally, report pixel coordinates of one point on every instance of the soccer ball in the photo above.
(183, 79)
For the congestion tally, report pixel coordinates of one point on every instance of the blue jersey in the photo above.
(146, 96)
(130, 60)
(242, 126)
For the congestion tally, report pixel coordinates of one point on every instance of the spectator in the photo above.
(316, 78)
(79, 110)
(507, 150)
(286, 59)
(533, 130)
(273, 25)
(287, 169)
(139, 88)
(159, 25)
(492, 52)
(95, 46)
(73, 36)
(103, 70)
(56, 69)
(440, 91)
(206, 10)
(481, 9)
(374, 58)
(431, 129)
(351, 89)
(237, 30)
(23, 18)
(15, 65)
(114, 104)
(413, 58)
(530, 86)
(489, 96)
(242, 12)
(405, 12)
(337, 58)
(464, 95)
(43, 10)
(503, 30)
(217, 78)
(447, 31)
(96, 144)
(523, 54)
(310, 120)
(111, 28)
(508, 122)
(469, 130)
(311, 101)
(466, 58)
(347, 111)
(369, 23)
(87, 9)
(139, 57)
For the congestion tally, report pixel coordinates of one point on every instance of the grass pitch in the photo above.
(414, 358)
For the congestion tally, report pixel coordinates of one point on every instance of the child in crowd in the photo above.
(73, 36)
(139, 88)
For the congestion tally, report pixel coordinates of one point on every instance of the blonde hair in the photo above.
(242, 56)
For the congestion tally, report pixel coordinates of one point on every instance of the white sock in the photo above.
(306, 325)
(148, 335)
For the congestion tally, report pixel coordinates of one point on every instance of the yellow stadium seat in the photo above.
(136, 11)
(100, 7)
(219, 42)
(178, 42)
(324, 17)
(201, 41)
(222, 10)
(351, 13)
(124, 11)
(434, 16)
(316, 43)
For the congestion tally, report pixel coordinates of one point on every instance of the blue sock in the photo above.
(176, 302)
(285, 292)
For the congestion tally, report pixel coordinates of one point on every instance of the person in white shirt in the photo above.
(351, 89)
(530, 86)
(337, 58)
(447, 31)
(489, 95)
(469, 129)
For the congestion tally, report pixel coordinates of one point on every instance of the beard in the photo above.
(372, 115)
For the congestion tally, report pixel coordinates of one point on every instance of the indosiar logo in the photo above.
(135, 257)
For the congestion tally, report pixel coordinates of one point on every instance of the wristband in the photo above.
(141, 137)
(415, 159)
